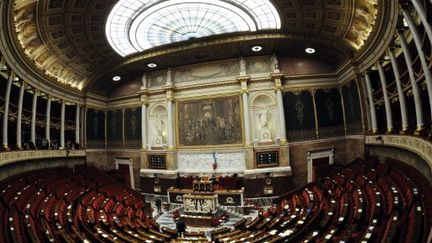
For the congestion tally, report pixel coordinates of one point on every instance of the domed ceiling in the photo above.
(67, 40)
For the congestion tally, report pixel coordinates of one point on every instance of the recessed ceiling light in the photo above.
(256, 48)
(152, 65)
(309, 50)
(116, 78)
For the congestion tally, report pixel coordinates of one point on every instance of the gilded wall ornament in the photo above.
(299, 107)
(329, 105)
(351, 104)
(133, 123)
(95, 126)
(114, 124)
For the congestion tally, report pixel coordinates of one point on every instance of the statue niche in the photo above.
(158, 119)
(265, 130)
(160, 128)
(263, 106)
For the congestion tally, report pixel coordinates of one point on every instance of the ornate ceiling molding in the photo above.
(65, 46)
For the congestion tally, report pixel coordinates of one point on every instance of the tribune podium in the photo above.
(202, 199)
(200, 206)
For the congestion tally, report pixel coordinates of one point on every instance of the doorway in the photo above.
(319, 163)
(125, 166)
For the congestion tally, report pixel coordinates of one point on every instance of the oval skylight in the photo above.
(136, 25)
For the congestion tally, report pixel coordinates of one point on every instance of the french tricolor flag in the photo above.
(214, 161)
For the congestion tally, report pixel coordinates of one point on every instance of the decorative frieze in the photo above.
(189, 162)
(416, 145)
(15, 156)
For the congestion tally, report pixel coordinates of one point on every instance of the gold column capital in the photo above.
(277, 78)
(144, 102)
(170, 95)
(243, 81)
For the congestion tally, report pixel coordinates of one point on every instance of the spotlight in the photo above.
(116, 78)
(256, 48)
(310, 50)
(152, 65)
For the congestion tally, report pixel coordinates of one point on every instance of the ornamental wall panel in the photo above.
(203, 162)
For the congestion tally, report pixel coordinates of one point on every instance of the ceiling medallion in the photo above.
(134, 27)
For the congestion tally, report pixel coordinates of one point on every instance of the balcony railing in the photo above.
(417, 145)
(14, 156)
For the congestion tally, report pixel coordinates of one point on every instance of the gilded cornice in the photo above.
(260, 80)
(220, 42)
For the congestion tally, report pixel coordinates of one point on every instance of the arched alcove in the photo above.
(157, 124)
(264, 118)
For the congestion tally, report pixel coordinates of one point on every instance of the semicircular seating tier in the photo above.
(365, 201)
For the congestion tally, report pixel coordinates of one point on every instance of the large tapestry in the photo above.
(330, 113)
(95, 128)
(352, 108)
(211, 121)
(299, 115)
(133, 127)
(115, 129)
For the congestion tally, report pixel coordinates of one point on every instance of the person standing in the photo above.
(181, 227)
(158, 204)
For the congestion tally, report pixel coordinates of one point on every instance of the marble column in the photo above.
(77, 124)
(33, 119)
(371, 104)
(281, 111)
(418, 44)
(48, 121)
(387, 104)
(422, 14)
(82, 118)
(281, 115)
(62, 125)
(170, 116)
(246, 117)
(170, 124)
(84, 127)
(19, 118)
(144, 125)
(6, 111)
(415, 90)
(401, 95)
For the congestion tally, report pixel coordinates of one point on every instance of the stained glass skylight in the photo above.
(136, 25)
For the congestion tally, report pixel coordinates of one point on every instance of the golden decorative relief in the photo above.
(365, 14)
(38, 51)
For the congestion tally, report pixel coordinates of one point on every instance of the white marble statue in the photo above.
(265, 130)
(160, 128)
